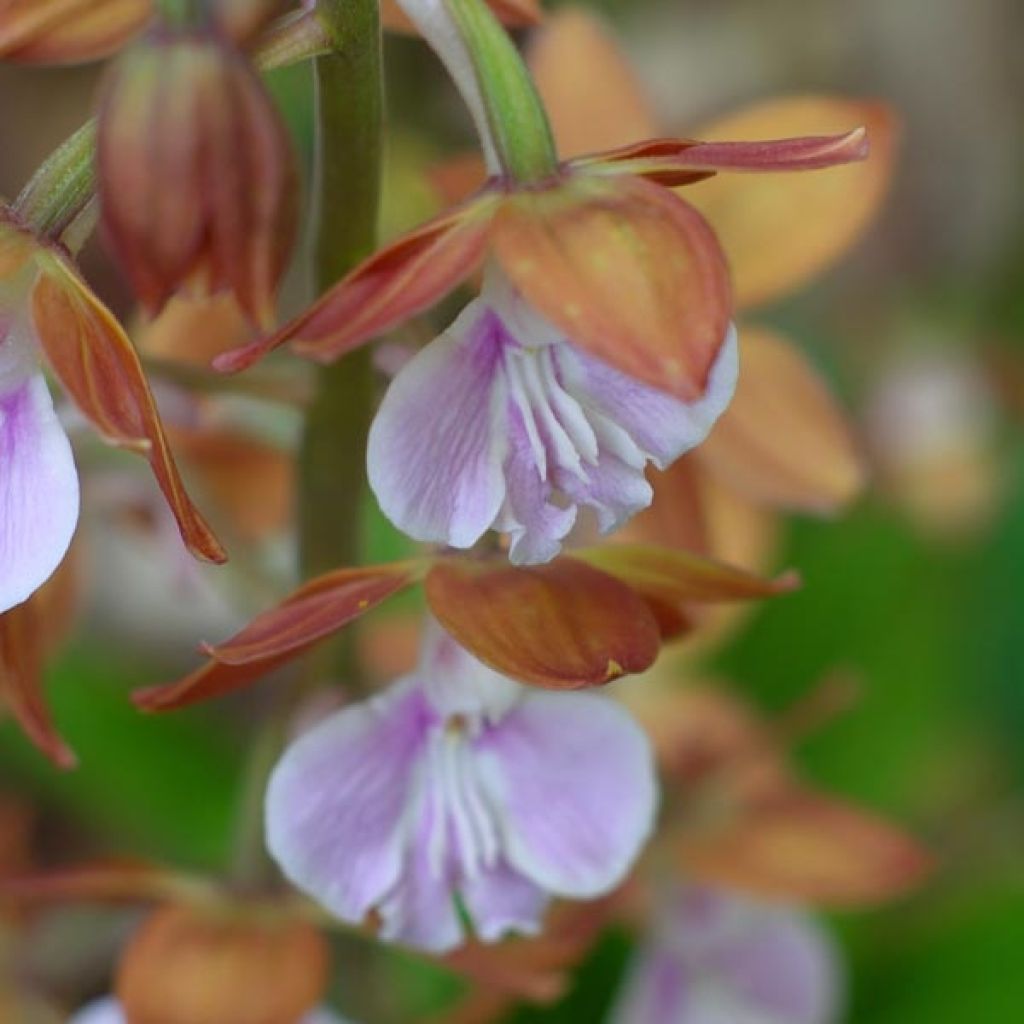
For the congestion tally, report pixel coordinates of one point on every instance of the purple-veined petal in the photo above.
(572, 780)
(500, 900)
(38, 491)
(662, 426)
(437, 444)
(536, 525)
(420, 911)
(338, 803)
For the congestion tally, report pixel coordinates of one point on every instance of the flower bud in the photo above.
(196, 179)
(221, 966)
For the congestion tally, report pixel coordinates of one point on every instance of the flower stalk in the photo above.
(516, 118)
(332, 469)
(62, 187)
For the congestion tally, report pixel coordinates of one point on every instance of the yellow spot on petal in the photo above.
(614, 670)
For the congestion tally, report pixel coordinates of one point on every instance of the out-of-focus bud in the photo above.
(68, 31)
(196, 178)
(222, 965)
(932, 428)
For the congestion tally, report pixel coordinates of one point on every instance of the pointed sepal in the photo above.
(98, 367)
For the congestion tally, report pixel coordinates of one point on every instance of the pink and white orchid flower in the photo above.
(459, 789)
(502, 423)
(720, 958)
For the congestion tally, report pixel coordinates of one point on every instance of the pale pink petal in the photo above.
(571, 780)
(420, 911)
(783, 966)
(500, 901)
(437, 444)
(38, 491)
(721, 958)
(339, 801)
(663, 427)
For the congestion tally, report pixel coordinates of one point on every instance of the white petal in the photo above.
(38, 491)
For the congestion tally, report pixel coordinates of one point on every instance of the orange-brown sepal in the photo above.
(311, 614)
(630, 272)
(803, 846)
(690, 160)
(28, 633)
(670, 580)
(395, 283)
(780, 230)
(783, 441)
(98, 367)
(561, 626)
(68, 31)
(196, 177)
(230, 965)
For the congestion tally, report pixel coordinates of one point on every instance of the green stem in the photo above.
(182, 13)
(332, 462)
(348, 169)
(515, 112)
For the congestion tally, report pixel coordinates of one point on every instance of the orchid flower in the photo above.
(460, 790)
(46, 309)
(109, 1011)
(502, 423)
(719, 958)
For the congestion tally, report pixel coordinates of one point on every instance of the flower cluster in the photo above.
(571, 394)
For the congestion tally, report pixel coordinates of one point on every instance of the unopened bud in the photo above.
(221, 966)
(196, 178)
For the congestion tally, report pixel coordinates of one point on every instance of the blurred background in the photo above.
(916, 592)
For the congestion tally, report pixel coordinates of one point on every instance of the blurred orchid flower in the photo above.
(439, 794)
(717, 958)
(47, 309)
(502, 423)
